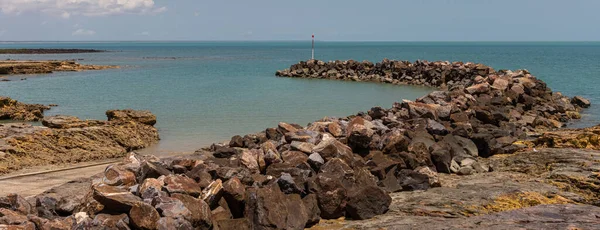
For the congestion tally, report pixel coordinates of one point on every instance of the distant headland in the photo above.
(49, 51)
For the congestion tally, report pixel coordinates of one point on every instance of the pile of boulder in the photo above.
(11, 109)
(290, 176)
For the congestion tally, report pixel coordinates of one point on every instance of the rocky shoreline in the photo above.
(13, 110)
(468, 152)
(49, 51)
(13, 67)
(67, 139)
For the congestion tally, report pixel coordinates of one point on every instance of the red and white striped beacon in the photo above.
(313, 47)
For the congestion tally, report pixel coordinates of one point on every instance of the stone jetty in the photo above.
(465, 152)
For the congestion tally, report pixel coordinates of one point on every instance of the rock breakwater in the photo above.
(67, 139)
(435, 74)
(45, 67)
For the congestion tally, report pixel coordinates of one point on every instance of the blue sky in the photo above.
(348, 20)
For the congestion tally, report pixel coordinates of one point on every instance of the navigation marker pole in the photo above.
(313, 47)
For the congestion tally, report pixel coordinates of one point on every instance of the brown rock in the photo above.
(234, 193)
(111, 221)
(200, 211)
(335, 129)
(152, 170)
(581, 102)
(144, 117)
(286, 128)
(150, 188)
(213, 193)
(115, 175)
(16, 203)
(114, 199)
(169, 223)
(367, 202)
(269, 208)
(182, 184)
(302, 146)
(250, 160)
(329, 148)
(235, 224)
(312, 208)
(144, 216)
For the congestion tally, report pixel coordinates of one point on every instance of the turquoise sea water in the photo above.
(205, 92)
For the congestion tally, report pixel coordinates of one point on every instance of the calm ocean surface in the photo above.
(206, 92)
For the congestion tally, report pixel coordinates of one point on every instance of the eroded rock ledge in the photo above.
(44, 67)
(13, 110)
(449, 146)
(67, 139)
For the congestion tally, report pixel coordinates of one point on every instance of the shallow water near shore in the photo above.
(205, 92)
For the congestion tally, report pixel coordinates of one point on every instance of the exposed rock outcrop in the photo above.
(66, 139)
(44, 67)
(13, 110)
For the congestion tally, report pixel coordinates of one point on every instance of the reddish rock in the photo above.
(171, 207)
(115, 175)
(182, 184)
(234, 193)
(114, 199)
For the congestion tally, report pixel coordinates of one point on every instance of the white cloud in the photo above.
(2, 32)
(83, 32)
(196, 13)
(76, 25)
(44, 23)
(68, 8)
(145, 33)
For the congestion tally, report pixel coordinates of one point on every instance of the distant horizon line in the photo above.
(432, 41)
